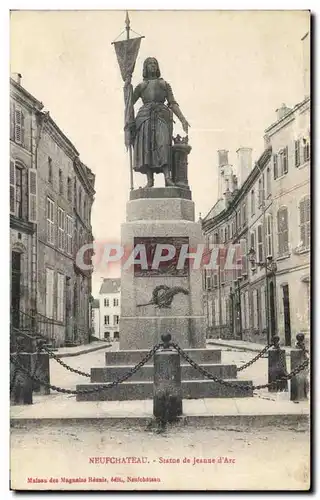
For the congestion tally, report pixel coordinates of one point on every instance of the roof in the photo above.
(95, 304)
(110, 285)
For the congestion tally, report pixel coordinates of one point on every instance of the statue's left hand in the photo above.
(185, 126)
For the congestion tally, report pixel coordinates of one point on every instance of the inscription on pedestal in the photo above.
(167, 267)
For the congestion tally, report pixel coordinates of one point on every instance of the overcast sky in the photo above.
(229, 72)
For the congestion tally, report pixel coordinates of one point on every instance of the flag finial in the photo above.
(127, 22)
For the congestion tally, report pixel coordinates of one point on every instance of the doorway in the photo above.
(286, 311)
(15, 288)
(272, 310)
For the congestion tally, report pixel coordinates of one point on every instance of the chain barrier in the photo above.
(67, 367)
(258, 356)
(246, 387)
(98, 388)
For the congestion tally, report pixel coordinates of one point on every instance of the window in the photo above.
(282, 163)
(244, 257)
(106, 320)
(269, 235)
(49, 292)
(116, 319)
(297, 159)
(79, 201)
(244, 214)
(263, 189)
(107, 335)
(61, 229)
(225, 234)
(283, 235)
(210, 313)
(253, 240)
(268, 182)
(275, 166)
(60, 297)
(106, 302)
(260, 244)
(18, 126)
(50, 221)
(253, 203)
(216, 238)
(18, 183)
(115, 302)
(50, 170)
(60, 182)
(304, 211)
(69, 191)
(306, 149)
(260, 194)
(69, 234)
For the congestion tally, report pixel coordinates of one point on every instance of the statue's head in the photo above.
(151, 66)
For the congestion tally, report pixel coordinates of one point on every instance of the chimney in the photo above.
(306, 63)
(16, 77)
(244, 164)
(283, 111)
(223, 157)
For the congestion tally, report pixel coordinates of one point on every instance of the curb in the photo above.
(241, 348)
(84, 351)
(299, 422)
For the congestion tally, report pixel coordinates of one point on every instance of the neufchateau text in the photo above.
(160, 460)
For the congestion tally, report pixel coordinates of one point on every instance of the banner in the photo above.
(127, 53)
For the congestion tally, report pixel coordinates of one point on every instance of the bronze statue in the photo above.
(154, 124)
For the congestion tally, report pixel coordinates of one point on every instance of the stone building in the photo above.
(109, 298)
(235, 294)
(62, 196)
(266, 211)
(23, 184)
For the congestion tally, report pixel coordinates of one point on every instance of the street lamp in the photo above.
(270, 266)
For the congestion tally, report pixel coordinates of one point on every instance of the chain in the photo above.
(258, 356)
(98, 388)
(67, 367)
(245, 387)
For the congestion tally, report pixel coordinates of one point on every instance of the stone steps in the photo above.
(191, 389)
(133, 357)
(110, 373)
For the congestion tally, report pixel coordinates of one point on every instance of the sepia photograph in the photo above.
(160, 237)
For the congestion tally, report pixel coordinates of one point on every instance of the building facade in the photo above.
(23, 184)
(264, 212)
(61, 193)
(95, 319)
(109, 299)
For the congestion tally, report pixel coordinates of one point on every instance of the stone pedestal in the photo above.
(167, 218)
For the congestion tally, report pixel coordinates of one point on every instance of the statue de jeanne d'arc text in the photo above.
(149, 134)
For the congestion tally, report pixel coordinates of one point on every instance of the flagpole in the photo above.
(130, 146)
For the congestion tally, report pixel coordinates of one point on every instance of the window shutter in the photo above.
(285, 160)
(32, 195)
(22, 128)
(49, 292)
(18, 126)
(275, 166)
(243, 251)
(12, 187)
(12, 120)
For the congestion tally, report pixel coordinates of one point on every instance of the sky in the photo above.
(229, 71)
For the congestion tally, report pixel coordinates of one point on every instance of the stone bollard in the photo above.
(299, 382)
(167, 390)
(20, 382)
(277, 367)
(42, 371)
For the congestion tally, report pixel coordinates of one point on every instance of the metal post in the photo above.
(167, 390)
(42, 371)
(277, 367)
(299, 382)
